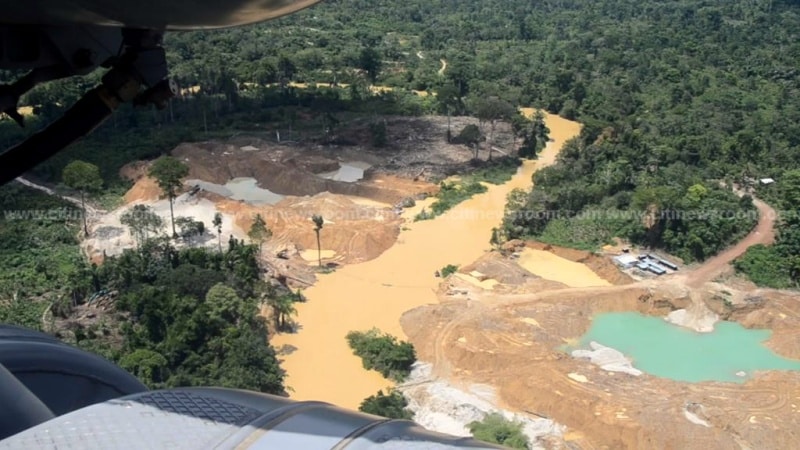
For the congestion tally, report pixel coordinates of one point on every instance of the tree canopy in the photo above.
(82, 176)
(85, 177)
(169, 173)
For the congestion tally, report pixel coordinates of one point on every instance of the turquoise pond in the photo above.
(669, 351)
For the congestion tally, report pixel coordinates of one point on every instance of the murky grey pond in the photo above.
(244, 189)
(349, 172)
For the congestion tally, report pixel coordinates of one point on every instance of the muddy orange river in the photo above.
(376, 293)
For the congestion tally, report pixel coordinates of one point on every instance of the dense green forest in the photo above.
(680, 99)
(186, 317)
(39, 255)
(192, 316)
(676, 97)
(778, 266)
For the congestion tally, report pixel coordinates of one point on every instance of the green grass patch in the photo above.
(39, 250)
(39, 254)
(25, 313)
(452, 193)
(499, 171)
(587, 231)
(496, 429)
(449, 270)
(766, 267)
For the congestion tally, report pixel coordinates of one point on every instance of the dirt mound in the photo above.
(284, 170)
(778, 311)
(601, 265)
(354, 232)
(497, 267)
(512, 342)
(144, 190)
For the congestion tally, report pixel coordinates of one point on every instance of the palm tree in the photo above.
(217, 223)
(318, 222)
(283, 308)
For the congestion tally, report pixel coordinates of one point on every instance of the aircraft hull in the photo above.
(150, 14)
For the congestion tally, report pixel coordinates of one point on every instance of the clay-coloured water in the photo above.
(376, 293)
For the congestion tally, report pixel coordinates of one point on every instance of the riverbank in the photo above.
(376, 293)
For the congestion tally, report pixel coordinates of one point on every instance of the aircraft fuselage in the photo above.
(150, 14)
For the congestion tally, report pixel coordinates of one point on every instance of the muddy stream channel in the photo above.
(320, 365)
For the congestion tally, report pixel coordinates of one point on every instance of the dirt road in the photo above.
(90, 210)
(454, 336)
(763, 233)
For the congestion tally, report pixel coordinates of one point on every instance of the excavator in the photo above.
(55, 396)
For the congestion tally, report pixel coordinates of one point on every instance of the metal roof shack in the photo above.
(627, 261)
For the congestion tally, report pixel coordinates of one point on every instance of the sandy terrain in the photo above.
(491, 331)
(517, 354)
(552, 267)
(376, 293)
(511, 341)
(109, 237)
(441, 406)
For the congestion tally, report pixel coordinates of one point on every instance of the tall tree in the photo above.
(217, 223)
(282, 308)
(259, 232)
(85, 177)
(369, 60)
(535, 135)
(318, 223)
(449, 100)
(493, 110)
(471, 137)
(168, 173)
(519, 127)
(286, 70)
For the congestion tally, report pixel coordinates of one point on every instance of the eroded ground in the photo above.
(495, 326)
(511, 341)
(377, 292)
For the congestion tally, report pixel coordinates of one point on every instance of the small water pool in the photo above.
(349, 172)
(244, 189)
(731, 353)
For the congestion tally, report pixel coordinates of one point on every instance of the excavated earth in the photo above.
(510, 338)
(507, 333)
(361, 217)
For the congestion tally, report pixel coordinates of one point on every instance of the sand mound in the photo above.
(607, 358)
(513, 341)
(135, 170)
(442, 407)
(602, 266)
(495, 266)
(352, 232)
(144, 190)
